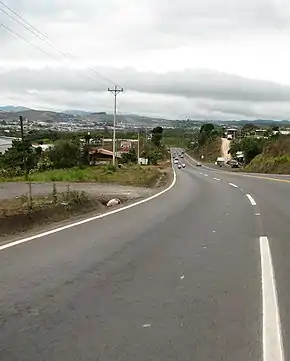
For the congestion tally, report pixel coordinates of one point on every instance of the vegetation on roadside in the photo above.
(274, 157)
(250, 146)
(206, 143)
(179, 137)
(27, 212)
(135, 175)
(69, 160)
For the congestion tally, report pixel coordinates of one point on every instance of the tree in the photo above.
(87, 138)
(207, 131)
(250, 146)
(64, 154)
(269, 133)
(157, 134)
(21, 155)
(130, 157)
(207, 128)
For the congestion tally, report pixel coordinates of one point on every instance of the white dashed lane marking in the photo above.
(233, 185)
(251, 199)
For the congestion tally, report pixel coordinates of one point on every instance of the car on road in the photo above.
(175, 161)
(179, 166)
(198, 164)
(233, 163)
(183, 165)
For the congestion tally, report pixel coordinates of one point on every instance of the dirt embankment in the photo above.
(225, 147)
(26, 206)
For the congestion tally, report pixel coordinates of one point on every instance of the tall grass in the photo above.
(132, 175)
(265, 164)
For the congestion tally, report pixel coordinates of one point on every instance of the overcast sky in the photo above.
(206, 59)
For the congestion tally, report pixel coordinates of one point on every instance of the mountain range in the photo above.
(13, 113)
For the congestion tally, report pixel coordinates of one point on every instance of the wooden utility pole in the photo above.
(115, 91)
(21, 127)
(24, 155)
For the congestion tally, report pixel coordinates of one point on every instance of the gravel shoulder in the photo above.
(17, 189)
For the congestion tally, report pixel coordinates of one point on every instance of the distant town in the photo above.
(81, 121)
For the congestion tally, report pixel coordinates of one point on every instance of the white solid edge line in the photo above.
(233, 185)
(272, 336)
(86, 220)
(251, 199)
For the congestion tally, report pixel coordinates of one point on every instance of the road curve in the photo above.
(175, 278)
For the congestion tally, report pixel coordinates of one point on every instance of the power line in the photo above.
(43, 37)
(29, 28)
(40, 49)
(19, 16)
(29, 42)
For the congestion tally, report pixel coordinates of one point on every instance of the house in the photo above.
(102, 155)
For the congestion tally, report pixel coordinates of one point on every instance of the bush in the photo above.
(130, 157)
(64, 154)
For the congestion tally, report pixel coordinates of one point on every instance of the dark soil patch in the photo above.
(25, 220)
(16, 216)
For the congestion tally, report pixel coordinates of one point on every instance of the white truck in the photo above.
(220, 161)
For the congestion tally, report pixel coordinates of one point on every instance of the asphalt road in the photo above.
(175, 278)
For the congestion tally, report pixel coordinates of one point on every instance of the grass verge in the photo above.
(22, 213)
(134, 175)
(265, 164)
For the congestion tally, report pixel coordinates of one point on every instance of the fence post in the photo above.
(29, 195)
(54, 192)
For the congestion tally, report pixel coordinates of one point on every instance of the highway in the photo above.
(200, 272)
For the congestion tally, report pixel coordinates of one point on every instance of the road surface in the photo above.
(174, 278)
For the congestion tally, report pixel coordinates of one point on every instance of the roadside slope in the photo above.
(275, 157)
(209, 151)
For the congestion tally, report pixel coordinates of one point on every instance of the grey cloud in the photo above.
(147, 104)
(198, 94)
(193, 84)
(169, 24)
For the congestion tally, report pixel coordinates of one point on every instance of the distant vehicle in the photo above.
(175, 161)
(220, 161)
(181, 155)
(179, 166)
(183, 165)
(229, 137)
(234, 163)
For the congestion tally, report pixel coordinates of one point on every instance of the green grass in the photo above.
(266, 164)
(130, 175)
